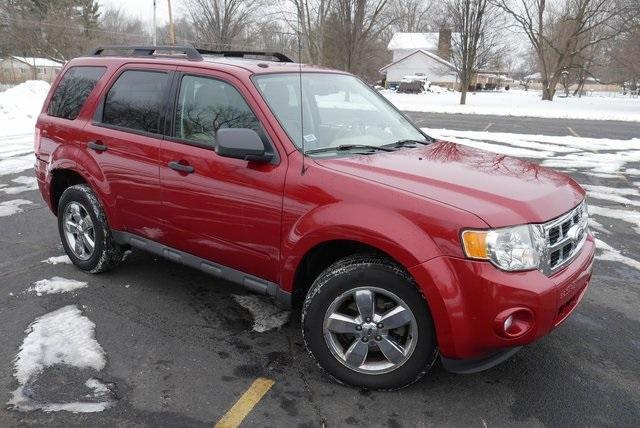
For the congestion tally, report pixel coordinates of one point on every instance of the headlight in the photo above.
(510, 248)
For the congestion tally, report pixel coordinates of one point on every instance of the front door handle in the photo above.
(180, 167)
(97, 146)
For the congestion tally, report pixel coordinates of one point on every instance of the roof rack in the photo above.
(277, 56)
(190, 52)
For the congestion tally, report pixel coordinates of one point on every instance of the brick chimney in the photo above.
(444, 44)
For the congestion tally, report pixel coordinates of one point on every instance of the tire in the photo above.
(333, 296)
(79, 206)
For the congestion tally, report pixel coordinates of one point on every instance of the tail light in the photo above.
(36, 141)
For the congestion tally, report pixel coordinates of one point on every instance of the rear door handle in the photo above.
(97, 146)
(175, 165)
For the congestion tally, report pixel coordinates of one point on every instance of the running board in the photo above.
(252, 283)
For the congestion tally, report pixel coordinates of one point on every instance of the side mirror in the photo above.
(241, 143)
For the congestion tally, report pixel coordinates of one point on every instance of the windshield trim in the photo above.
(428, 138)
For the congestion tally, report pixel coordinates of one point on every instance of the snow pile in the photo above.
(520, 103)
(20, 106)
(24, 184)
(62, 337)
(58, 259)
(266, 315)
(602, 157)
(56, 285)
(8, 208)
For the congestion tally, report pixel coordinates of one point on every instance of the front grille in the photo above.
(564, 237)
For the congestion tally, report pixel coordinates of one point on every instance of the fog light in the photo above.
(507, 323)
(513, 323)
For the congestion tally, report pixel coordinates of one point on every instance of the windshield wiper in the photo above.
(347, 147)
(405, 143)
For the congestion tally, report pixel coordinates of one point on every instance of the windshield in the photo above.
(338, 111)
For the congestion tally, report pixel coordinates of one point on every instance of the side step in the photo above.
(252, 283)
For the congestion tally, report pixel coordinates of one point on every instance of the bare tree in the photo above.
(222, 23)
(413, 16)
(359, 23)
(561, 31)
(475, 45)
(119, 29)
(310, 21)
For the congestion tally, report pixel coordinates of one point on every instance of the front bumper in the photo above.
(466, 296)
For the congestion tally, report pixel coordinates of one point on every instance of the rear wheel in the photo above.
(84, 231)
(367, 324)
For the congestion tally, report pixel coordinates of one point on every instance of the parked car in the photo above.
(400, 249)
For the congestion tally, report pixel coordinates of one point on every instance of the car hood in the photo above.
(501, 190)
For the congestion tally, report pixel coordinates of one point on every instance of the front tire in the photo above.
(367, 325)
(84, 231)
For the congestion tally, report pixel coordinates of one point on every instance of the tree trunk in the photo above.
(463, 95)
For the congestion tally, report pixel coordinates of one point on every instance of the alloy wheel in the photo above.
(79, 231)
(370, 330)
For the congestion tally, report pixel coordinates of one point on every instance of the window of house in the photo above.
(135, 101)
(73, 90)
(206, 105)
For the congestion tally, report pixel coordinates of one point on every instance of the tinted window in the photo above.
(73, 90)
(206, 105)
(136, 100)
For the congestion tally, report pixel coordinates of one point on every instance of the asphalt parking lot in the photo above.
(181, 351)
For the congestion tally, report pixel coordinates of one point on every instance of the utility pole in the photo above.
(172, 31)
(155, 29)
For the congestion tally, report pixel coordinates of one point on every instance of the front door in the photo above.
(221, 209)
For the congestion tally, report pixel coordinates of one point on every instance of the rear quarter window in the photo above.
(73, 90)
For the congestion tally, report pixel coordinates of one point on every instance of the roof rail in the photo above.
(279, 57)
(190, 52)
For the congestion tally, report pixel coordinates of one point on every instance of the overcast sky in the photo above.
(143, 9)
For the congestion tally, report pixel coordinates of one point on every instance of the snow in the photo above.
(24, 184)
(56, 285)
(8, 208)
(64, 337)
(64, 259)
(520, 103)
(607, 252)
(266, 314)
(20, 106)
(39, 62)
(19, 109)
(596, 156)
(415, 41)
(632, 217)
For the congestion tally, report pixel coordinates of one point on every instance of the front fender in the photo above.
(381, 228)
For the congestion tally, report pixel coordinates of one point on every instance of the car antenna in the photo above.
(303, 170)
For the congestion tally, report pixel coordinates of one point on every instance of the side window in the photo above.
(135, 101)
(73, 90)
(206, 105)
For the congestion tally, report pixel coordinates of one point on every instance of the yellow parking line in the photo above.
(245, 404)
(574, 133)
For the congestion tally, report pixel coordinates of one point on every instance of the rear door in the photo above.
(124, 140)
(225, 210)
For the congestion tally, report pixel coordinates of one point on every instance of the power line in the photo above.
(76, 27)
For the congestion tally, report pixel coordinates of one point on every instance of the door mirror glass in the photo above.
(241, 143)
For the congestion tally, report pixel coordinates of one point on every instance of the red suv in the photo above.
(304, 184)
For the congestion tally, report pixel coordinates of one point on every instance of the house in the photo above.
(421, 54)
(17, 69)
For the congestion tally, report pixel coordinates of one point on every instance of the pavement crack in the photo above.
(309, 393)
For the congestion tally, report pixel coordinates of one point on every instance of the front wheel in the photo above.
(367, 325)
